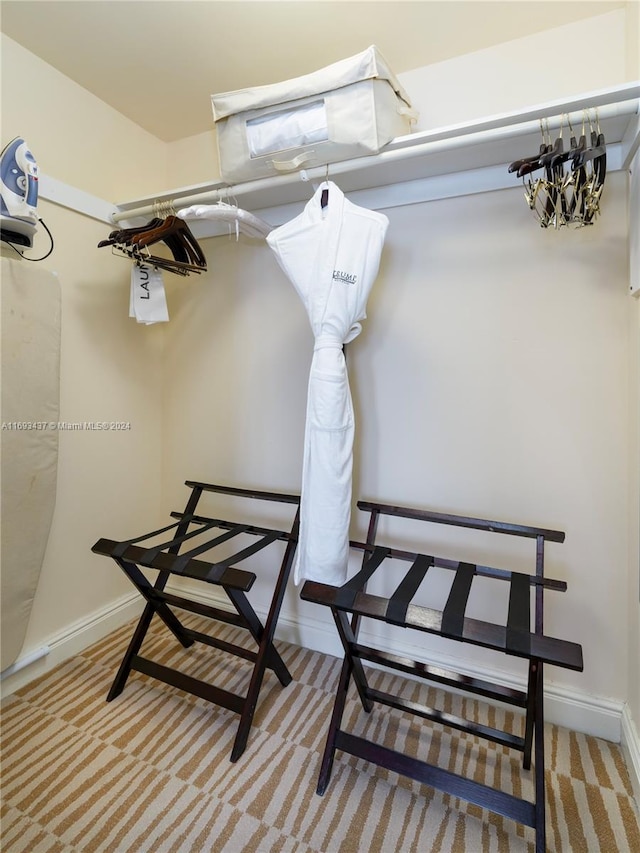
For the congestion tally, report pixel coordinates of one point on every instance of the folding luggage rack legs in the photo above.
(166, 558)
(514, 638)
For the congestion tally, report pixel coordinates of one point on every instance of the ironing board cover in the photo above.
(30, 323)
(331, 256)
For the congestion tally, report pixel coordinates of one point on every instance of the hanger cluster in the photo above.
(184, 254)
(568, 191)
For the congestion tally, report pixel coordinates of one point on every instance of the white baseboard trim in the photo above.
(582, 712)
(69, 642)
(572, 709)
(630, 741)
(25, 660)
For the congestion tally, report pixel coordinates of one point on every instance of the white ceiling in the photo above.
(158, 61)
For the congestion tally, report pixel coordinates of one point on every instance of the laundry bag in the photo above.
(349, 109)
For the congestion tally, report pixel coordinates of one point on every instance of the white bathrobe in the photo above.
(331, 255)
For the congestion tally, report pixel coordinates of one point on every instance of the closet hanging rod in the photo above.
(505, 128)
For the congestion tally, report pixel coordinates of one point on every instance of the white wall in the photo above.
(632, 11)
(561, 62)
(193, 160)
(633, 588)
(76, 137)
(633, 708)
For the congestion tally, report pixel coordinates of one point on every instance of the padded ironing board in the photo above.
(30, 333)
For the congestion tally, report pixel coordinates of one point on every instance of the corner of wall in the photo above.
(631, 747)
(76, 137)
(193, 159)
(70, 641)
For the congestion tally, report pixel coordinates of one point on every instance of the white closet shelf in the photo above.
(455, 160)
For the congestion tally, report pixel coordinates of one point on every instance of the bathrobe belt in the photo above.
(325, 341)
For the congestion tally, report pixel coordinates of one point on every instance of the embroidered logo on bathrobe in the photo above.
(347, 278)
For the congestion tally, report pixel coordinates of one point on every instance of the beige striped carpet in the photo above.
(150, 771)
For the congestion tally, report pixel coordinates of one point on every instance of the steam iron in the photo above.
(18, 194)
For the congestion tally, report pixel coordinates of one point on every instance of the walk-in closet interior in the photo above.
(321, 422)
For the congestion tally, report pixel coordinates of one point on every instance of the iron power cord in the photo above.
(23, 256)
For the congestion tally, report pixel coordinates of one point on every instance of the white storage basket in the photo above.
(349, 109)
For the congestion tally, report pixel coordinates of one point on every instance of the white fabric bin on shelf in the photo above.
(349, 109)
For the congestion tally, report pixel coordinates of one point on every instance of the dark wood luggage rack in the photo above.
(168, 560)
(514, 638)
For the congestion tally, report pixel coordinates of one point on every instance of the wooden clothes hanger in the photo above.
(187, 256)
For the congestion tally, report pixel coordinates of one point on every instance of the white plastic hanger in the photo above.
(246, 222)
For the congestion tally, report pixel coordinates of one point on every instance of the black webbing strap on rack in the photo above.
(396, 611)
(168, 558)
(347, 593)
(519, 616)
(181, 561)
(151, 553)
(453, 613)
(121, 547)
(516, 637)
